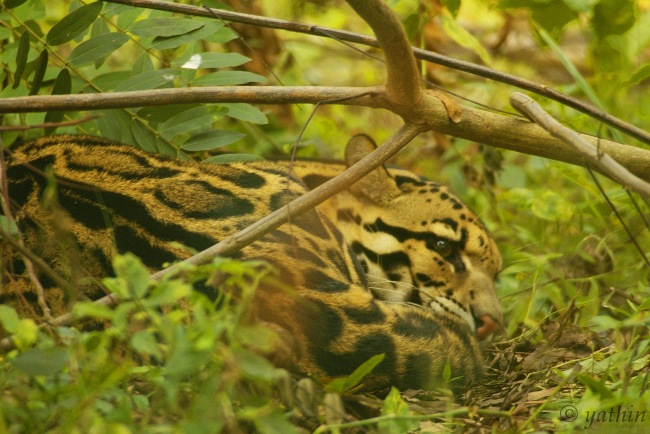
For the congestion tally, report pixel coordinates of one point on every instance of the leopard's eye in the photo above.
(443, 247)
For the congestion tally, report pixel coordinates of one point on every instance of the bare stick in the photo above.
(210, 94)
(592, 154)
(476, 125)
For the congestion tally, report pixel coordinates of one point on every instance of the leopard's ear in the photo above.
(377, 186)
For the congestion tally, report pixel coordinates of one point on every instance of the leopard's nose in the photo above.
(487, 326)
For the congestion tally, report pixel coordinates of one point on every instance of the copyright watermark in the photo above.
(616, 414)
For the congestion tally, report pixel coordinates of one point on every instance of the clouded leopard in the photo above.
(395, 265)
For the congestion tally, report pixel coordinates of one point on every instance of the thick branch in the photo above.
(592, 154)
(523, 136)
(429, 56)
(472, 124)
(403, 81)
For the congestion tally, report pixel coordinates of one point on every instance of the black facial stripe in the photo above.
(388, 261)
(402, 234)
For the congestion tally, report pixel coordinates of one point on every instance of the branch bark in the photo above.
(592, 154)
(403, 80)
(505, 132)
(429, 56)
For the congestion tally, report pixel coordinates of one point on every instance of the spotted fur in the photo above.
(429, 261)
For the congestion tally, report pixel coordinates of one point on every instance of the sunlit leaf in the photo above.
(463, 37)
(130, 268)
(341, 385)
(643, 73)
(9, 319)
(551, 206)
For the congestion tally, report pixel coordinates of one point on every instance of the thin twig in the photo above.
(591, 154)
(620, 219)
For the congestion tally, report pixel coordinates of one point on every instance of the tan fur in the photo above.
(116, 198)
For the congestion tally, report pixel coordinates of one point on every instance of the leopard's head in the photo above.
(419, 243)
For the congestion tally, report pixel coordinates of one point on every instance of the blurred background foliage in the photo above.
(568, 256)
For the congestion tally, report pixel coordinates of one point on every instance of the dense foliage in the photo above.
(576, 282)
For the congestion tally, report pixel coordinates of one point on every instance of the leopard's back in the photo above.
(113, 198)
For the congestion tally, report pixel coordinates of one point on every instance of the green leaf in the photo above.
(21, 58)
(62, 86)
(212, 60)
(274, 423)
(130, 268)
(211, 140)
(144, 138)
(97, 48)
(144, 342)
(597, 387)
(73, 24)
(341, 385)
(8, 226)
(187, 121)
(246, 112)
(452, 5)
(553, 207)
(221, 36)
(26, 334)
(232, 158)
(228, 78)
(164, 42)
(639, 75)
(254, 366)
(148, 80)
(88, 309)
(39, 72)
(41, 361)
(9, 318)
(463, 37)
(614, 17)
(165, 26)
(394, 405)
(14, 3)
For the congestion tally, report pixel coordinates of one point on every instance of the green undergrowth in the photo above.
(169, 360)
